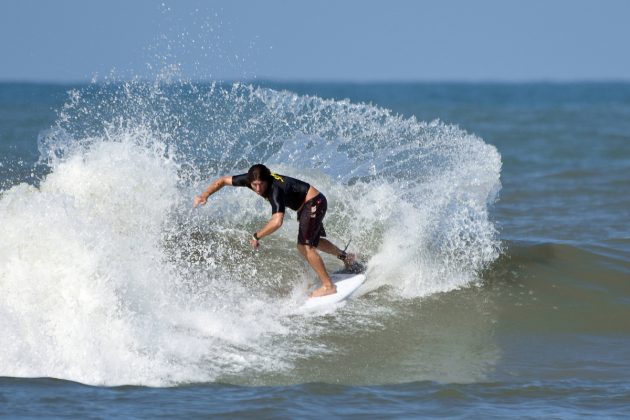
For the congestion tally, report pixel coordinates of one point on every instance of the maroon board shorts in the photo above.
(311, 218)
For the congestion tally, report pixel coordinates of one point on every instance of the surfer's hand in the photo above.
(255, 244)
(199, 200)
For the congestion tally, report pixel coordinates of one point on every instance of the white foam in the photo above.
(89, 293)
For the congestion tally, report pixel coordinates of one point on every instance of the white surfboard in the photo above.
(346, 284)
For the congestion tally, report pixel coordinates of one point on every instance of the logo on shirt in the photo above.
(277, 177)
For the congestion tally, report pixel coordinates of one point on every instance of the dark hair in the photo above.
(259, 172)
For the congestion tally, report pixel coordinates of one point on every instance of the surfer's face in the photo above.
(259, 187)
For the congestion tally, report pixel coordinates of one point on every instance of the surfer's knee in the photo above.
(307, 249)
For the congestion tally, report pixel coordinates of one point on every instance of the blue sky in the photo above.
(323, 40)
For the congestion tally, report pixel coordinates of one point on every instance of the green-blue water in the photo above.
(498, 242)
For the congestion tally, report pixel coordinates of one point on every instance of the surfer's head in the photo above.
(259, 178)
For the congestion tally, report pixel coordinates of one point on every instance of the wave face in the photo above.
(109, 277)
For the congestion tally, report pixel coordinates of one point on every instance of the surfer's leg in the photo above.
(328, 247)
(315, 261)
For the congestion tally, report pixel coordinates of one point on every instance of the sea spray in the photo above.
(112, 278)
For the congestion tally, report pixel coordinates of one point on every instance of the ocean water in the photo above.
(494, 220)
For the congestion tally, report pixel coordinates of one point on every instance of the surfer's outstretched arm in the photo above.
(202, 198)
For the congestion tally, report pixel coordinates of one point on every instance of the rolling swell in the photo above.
(561, 288)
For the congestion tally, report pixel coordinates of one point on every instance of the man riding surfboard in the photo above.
(282, 192)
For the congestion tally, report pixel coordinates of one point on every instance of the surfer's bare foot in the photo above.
(324, 291)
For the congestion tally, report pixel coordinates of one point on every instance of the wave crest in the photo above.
(125, 274)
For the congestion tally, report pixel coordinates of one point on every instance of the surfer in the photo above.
(282, 192)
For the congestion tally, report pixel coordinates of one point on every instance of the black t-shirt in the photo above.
(283, 192)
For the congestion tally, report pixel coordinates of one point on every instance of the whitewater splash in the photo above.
(109, 277)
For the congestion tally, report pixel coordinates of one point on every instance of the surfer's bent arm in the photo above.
(272, 225)
(212, 188)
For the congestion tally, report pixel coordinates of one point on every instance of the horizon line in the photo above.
(259, 80)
